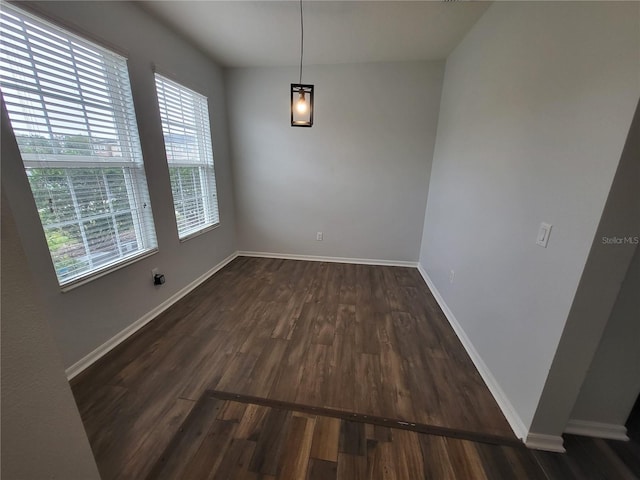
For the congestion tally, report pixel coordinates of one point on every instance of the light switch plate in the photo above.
(543, 234)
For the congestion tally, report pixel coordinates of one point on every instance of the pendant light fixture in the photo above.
(301, 94)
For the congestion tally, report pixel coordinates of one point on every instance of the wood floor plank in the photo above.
(340, 367)
(251, 422)
(207, 458)
(105, 404)
(232, 411)
(395, 391)
(368, 372)
(211, 368)
(348, 286)
(237, 376)
(351, 467)
(265, 371)
(313, 381)
(270, 442)
(326, 439)
(185, 444)
(294, 459)
(322, 470)
(368, 340)
(324, 326)
(258, 315)
(317, 291)
(108, 447)
(352, 438)
(291, 367)
(151, 446)
(436, 460)
(381, 463)
(288, 316)
(465, 459)
(235, 464)
(381, 434)
(495, 461)
(522, 462)
(407, 454)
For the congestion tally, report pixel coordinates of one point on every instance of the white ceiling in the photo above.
(267, 33)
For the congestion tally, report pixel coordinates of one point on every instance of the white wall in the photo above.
(613, 381)
(537, 102)
(42, 434)
(599, 287)
(89, 315)
(359, 174)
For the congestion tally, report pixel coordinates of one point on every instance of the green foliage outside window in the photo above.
(65, 195)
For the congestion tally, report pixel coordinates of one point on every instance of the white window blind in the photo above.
(187, 140)
(71, 110)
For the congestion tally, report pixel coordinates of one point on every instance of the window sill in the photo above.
(197, 233)
(66, 287)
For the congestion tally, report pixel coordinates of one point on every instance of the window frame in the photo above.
(207, 175)
(130, 165)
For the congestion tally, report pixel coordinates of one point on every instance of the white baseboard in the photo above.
(597, 429)
(549, 443)
(317, 258)
(120, 337)
(501, 398)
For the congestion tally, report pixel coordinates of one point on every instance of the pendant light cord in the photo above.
(301, 40)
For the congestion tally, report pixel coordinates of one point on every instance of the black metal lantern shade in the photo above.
(301, 105)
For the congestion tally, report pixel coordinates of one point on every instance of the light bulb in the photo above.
(301, 104)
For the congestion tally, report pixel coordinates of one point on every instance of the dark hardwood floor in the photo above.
(226, 439)
(352, 344)
(223, 439)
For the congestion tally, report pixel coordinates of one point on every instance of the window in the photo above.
(70, 107)
(187, 140)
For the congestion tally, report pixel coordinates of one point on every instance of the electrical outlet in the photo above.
(452, 275)
(319, 236)
(154, 272)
